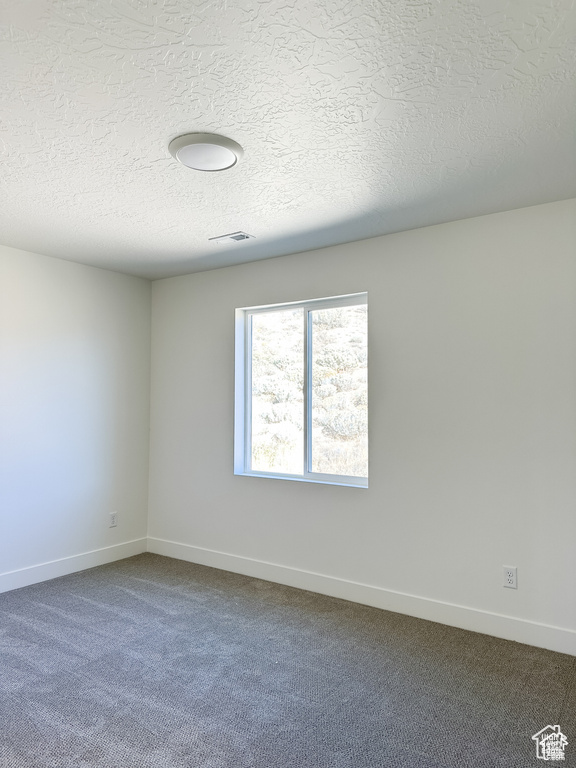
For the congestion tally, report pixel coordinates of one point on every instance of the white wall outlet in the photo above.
(113, 519)
(510, 577)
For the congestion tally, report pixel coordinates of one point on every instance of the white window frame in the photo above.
(243, 390)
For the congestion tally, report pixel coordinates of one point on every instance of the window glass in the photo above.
(302, 391)
(277, 391)
(339, 439)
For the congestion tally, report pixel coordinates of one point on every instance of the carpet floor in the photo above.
(151, 662)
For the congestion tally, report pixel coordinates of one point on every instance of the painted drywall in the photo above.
(74, 415)
(472, 375)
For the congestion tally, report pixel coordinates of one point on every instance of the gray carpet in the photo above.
(156, 663)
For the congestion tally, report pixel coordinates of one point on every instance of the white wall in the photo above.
(74, 415)
(472, 424)
(472, 355)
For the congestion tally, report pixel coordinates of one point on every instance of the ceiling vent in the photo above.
(235, 237)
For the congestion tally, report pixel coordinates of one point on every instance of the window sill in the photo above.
(346, 482)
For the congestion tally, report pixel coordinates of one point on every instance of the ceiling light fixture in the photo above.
(206, 151)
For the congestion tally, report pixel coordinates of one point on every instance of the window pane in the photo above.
(278, 391)
(340, 391)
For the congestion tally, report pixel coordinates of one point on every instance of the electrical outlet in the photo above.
(113, 519)
(510, 576)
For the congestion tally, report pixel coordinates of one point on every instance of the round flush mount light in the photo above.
(206, 151)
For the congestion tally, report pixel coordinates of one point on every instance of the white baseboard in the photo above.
(65, 565)
(497, 625)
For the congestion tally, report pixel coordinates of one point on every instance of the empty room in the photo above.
(287, 384)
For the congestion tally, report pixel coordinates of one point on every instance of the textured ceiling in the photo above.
(357, 119)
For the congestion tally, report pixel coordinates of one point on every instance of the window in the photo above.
(302, 391)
